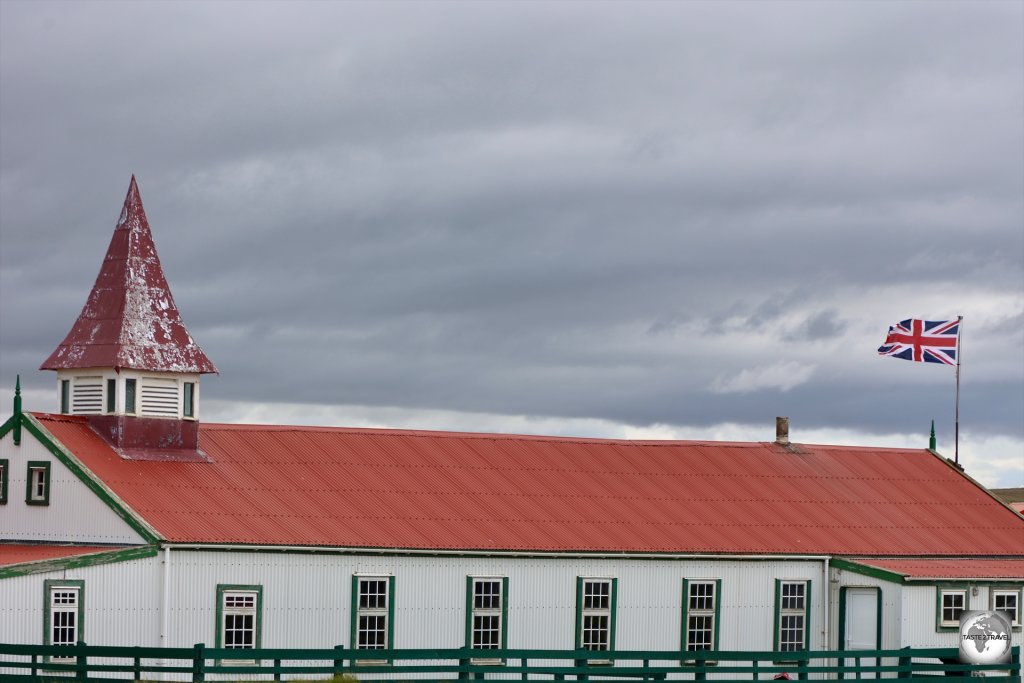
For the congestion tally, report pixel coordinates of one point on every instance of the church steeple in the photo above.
(129, 362)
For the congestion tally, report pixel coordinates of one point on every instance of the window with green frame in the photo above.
(129, 396)
(37, 483)
(1007, 599)
(595, 613)
(950, 603)
(701, 609)
(486, 612)
(111, 395)
(5, 475)
(239, 616)
(63, 613)
(792, 615)
(373, 612)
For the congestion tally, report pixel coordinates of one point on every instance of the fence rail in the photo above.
(200, 663)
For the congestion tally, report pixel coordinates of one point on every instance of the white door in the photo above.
(862, 623)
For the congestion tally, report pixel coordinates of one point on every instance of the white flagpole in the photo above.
(956, 446)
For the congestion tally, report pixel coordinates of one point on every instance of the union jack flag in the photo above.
(927, 341)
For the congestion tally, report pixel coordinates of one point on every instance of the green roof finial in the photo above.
(931, 441)
(17, 410)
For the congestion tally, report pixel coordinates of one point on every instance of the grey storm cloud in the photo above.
(684, 213)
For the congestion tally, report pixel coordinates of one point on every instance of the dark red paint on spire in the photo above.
(130, 319)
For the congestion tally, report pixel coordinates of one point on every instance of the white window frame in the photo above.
(38, 482)
(379, 611)
(951, 593)
(599, 607)
(65, 614)
(708, 612)
(247, 605)
(490, 606)
(789, 611)
(1014, 593)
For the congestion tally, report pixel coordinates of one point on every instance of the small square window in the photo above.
(1007, 600)
(952, 603)
(37, 491)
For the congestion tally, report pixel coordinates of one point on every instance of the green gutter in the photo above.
(76, 561)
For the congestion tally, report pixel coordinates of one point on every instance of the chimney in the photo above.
(782, 431)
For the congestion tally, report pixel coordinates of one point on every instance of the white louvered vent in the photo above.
(159, 397)
(87, 395)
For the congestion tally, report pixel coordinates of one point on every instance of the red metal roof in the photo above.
(936, 568)
(319, 486)
(130, 319)
(11, 553)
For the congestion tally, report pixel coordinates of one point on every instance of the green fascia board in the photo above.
(865, 570)
(120, 508)
(78, 561)
(8, 425)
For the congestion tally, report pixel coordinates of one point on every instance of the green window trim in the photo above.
(842, 615)
(470, 611)
(1002, 588)
(33, 496)
(65, 396)
(612, 603)
(188, 399)
(223, 588)
(130, 386)
(51, 585)
(111, 395)
(5, 477)
(684, 644)
(942, 588)
(777, 624)
(354, 612)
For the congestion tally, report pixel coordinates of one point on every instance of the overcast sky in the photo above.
(606, 219)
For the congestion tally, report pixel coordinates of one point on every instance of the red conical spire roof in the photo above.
(130, 320)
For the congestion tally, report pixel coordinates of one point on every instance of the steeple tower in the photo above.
(129, 362)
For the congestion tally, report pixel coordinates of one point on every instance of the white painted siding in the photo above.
(75, 514)
(307, 598)
(121, 604)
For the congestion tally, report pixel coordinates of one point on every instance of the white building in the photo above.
(124, 521)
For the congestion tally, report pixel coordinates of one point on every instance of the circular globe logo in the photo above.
(984, 638)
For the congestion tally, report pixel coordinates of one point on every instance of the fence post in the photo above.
(905, 668)
(199, 663)
(81, 663)
(137, 665)
(339, 660)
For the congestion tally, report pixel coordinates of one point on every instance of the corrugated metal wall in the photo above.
(306, 598)
(74, 513)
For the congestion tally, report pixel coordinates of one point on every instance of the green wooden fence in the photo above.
(201, 663)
